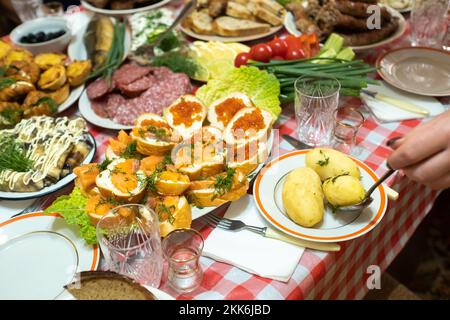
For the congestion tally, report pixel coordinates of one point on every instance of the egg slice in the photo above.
(172, 183)
(204, 193)
(247, 157)
(186, 115)
(122, 180)
(202, 155)
(248, 124)
(153, 135)
(118, 145)
(173, 213)
(221, 111)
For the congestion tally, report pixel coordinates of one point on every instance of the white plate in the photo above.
(54, 187)
(160, 295)
(111, 12)
(40, 254)
(85, 107)
(335, 226)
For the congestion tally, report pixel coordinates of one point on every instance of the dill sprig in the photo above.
(13, 156)
(223, 184)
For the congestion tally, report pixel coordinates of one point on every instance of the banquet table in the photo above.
(324, 275)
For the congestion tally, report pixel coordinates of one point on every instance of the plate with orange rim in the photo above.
(40, 253)
(334, 227)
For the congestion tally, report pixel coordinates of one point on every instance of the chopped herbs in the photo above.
(13, 156)
(158, 132)
(6, 82)
(130, 151)
(165, 212)
(49, 101)
(104, 165)
(333, 180)
(10, 116)
(324, 162)
(177, 62)
(224, 183)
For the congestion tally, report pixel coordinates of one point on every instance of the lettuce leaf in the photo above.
(262, 87)
(72, 208)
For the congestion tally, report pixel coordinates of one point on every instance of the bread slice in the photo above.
(268, 16)
(232, 27)
(271, 6)
(107, 285)
(238, 10)
(200, 22)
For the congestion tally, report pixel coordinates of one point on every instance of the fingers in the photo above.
(441, 184)
(430, 171)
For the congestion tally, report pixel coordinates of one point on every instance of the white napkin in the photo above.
(249, 251)
(385, 112)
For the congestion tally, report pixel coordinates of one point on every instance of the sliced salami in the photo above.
(129, 73)
(97, 89)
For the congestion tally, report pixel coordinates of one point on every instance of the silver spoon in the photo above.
(149, 51)
(368, 199)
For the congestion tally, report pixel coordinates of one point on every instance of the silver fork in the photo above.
(237, 225)
(35, 206)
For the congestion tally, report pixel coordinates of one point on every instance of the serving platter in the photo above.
(40, 254)
(419, 70)
(334, 227)
(111, 12)
(54, 187)
(252, 37)
(159, 294)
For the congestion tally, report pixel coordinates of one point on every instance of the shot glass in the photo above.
(182, 249)
(347, 120)
(131, 244)
(429, 23)
(316, 98)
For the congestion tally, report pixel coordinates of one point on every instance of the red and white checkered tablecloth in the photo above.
(322, 275)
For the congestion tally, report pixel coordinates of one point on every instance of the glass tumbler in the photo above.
(429, 22)
(27, 9)
(316, 98)
(131, 244)
(348, 120)
(182, 248)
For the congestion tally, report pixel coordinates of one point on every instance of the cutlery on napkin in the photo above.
(391, 104)
(252, 252)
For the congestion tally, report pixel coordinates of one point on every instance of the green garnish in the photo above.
(324, 162)
(158, 132)
(177, 62)
(152, 179)
(130, 151)
(13, 156)
(11, 116)
(6, 82)
(49, 101)
(333, 180)
(4, 69)
(163, 209)
(223, 183)
(104, 165)
(333, 208)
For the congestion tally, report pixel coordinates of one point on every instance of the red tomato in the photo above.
(261, 52)
(241, 59)
(279, 47)
(295, 54)
(278, 58)
(292, 42)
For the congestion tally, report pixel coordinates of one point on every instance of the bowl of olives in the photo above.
(42, 35)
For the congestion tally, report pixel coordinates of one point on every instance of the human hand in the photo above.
(424, 153)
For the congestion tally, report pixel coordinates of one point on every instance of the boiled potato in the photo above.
(78, 71)
(343, 190)
(48, 60)
(303, 197)
(331, 163)
(53, 78)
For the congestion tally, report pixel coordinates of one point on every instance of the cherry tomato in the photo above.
(278, 58)
(292, 42)
(261, 52)
(241, 59)
(295, 54)
(279, 47)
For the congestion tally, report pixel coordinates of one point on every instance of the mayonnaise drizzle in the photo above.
(47, 139)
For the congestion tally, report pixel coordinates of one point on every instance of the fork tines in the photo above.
(214, 221)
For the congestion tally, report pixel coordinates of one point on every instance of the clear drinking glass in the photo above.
(182, 248)
(316, 98)
(131, 244)
(429, 22)
(348, 120)
(26, 9)
(52, 9)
